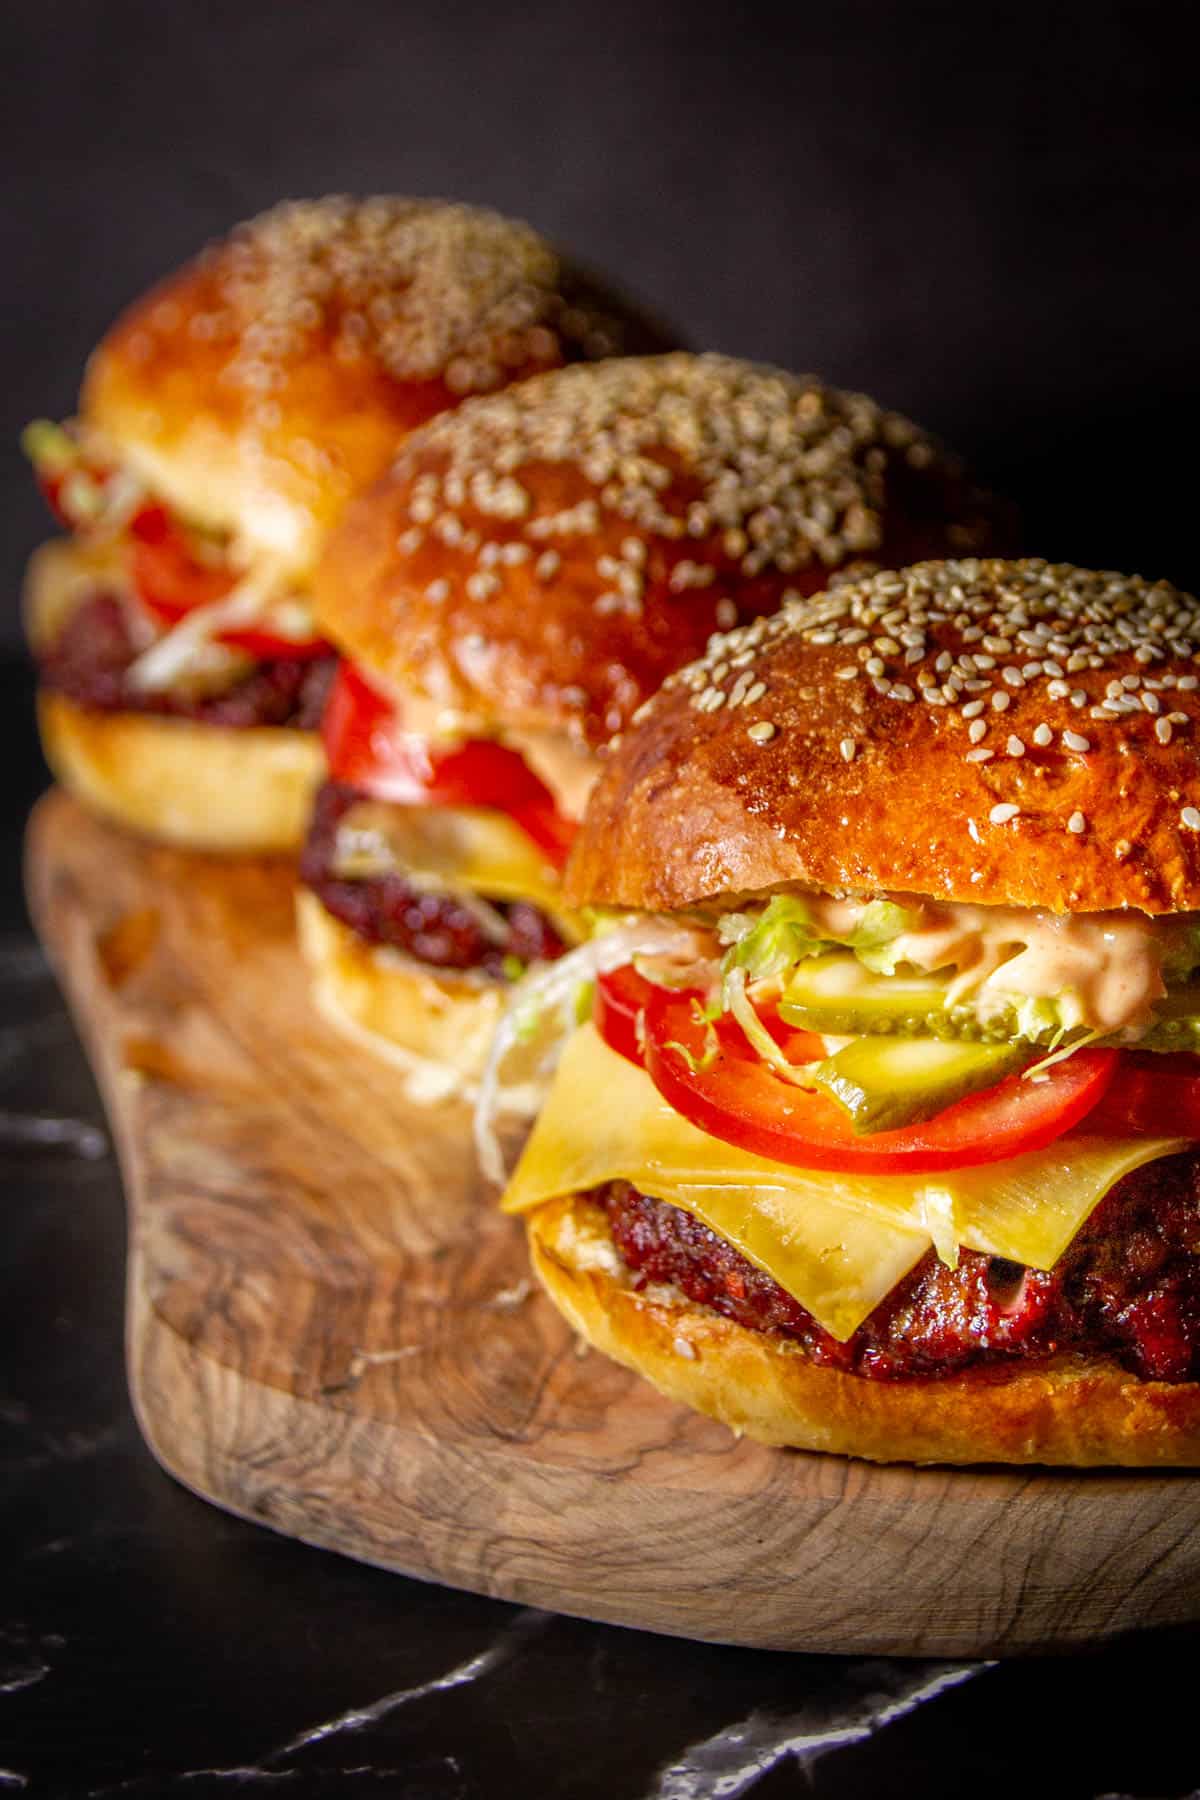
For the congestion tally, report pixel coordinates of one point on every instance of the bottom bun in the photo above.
(1075, 1410)
(438, 1028)
(201, 787)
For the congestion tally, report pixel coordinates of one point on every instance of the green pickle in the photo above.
(839, 997)
(886, 1083)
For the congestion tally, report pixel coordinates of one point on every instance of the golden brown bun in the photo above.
(542, 558)
(761, 765)
(1075, 1411)
(271, 377)
(201, 787)
(440, 1025)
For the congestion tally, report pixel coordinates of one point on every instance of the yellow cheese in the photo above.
(457, 847)
(837, 1243)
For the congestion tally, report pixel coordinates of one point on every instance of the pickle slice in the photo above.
(885, 1083)
(838, 996)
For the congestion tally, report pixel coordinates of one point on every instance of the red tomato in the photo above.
(170, 581)
(368, 747)
(1152, 1095)
(738, 1099)
(621, 997)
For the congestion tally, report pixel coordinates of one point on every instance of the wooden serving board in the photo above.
(330, 1331)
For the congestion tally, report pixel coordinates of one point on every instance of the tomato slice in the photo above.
(622, 996)
(171, 581)
(1153, 1094)
(738, 1099)
(368, 748)
(169, 578)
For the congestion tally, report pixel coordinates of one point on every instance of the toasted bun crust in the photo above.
(1019, 733)
(271, 377)
(544, 557)
(437, 1026)
(201, 787)
(1077, 1411)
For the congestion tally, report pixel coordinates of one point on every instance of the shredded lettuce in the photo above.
(873, 938)
(782, 935)
(785, 933)
(544, 1008)
(737, 1001)
(697, 1065)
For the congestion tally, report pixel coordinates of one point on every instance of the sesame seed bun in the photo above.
(1016, 733)
(270, 378)
(197, 786)
(1076, 1410)
(541, 558)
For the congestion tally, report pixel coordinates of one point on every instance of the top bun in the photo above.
(1006, 732)
(272, 376)
(541, 559)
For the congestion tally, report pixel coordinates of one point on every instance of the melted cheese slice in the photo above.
(466, 847)
(837, 1243)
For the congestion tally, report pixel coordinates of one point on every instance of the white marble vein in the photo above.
(727, 1764)
(526, 1623)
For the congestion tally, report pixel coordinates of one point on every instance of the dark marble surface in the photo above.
(150, 1645)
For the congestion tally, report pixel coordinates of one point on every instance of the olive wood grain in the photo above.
(330, 1331)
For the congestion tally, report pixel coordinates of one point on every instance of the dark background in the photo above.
(984, 215)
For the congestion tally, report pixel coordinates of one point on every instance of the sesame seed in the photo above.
(979, 756)
(1163, 730)
(1015, 747)
(1043, 737)
(1000, 702)
(972, 709)
(1189, 818)
(1074, 740)
(762, 732)
(755, 694)
(1076, 823)
(847, 748)
(1000, 815)
(847, 674)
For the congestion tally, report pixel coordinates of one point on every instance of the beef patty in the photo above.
(1128, 1286)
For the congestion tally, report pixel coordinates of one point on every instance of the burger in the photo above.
(506, 598)
(880, 1134)
(224, 422)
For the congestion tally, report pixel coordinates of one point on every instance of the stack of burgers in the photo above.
(680, 714)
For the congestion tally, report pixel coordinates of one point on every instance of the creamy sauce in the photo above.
(1111, 961)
